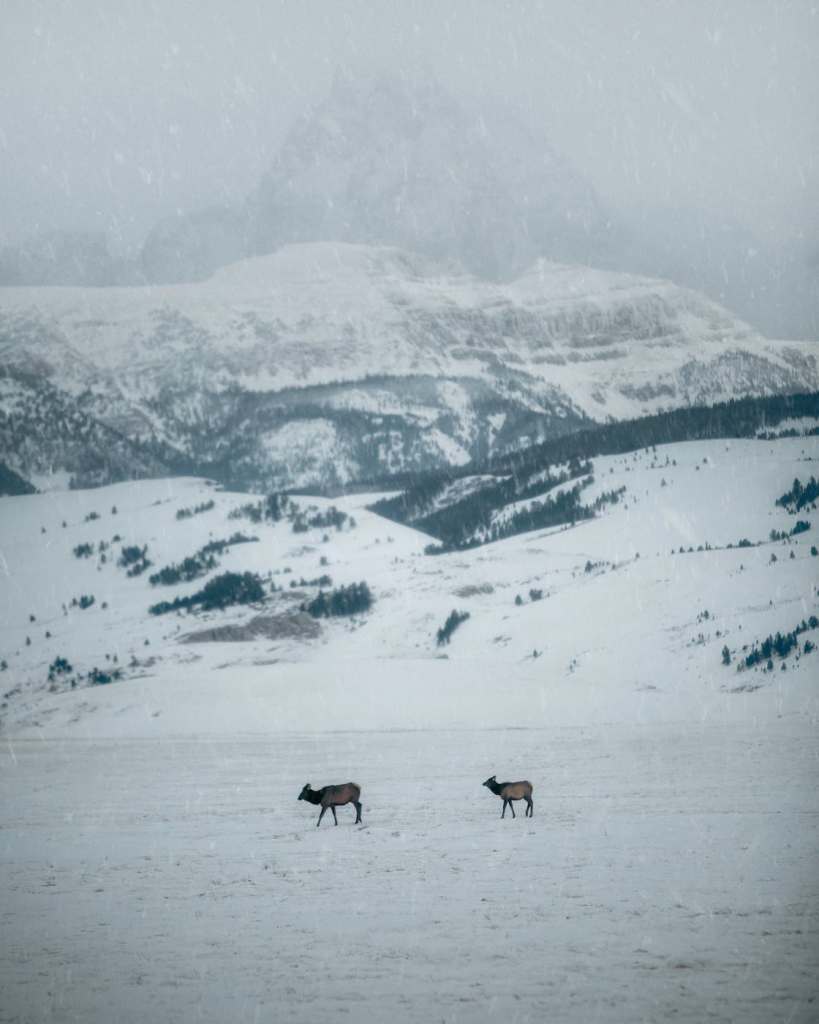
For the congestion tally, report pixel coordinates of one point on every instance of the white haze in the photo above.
(115, 115)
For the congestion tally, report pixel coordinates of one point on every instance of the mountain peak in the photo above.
(394, 160)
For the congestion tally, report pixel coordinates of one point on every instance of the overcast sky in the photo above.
(114, 114)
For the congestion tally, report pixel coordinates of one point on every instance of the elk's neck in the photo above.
(313, 795)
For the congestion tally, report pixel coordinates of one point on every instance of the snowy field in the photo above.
(669, 873)
(157, 866)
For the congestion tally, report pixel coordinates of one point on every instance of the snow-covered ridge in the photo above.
(353, 329)
(308, 311)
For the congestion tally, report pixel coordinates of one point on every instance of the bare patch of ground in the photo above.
(298, 625)
(473, 589)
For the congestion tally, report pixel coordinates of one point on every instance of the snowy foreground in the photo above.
(156, 865)
(669, 873)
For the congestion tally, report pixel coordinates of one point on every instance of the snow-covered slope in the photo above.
(622, 576)
(324, 363)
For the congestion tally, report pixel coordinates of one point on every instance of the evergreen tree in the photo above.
(454, 619)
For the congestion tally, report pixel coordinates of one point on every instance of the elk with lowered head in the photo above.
(332, 797)
(510, 791)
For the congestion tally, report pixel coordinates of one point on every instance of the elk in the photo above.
(332, 797)
(510, 791)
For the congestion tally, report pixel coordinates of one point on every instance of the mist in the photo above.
(694, 123)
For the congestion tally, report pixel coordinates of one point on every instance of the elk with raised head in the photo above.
(510, 791)
(332, 797)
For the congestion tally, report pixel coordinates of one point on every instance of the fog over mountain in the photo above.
(156, 144)
(389, 161)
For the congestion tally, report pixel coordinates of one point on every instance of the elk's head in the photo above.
(305, 791)
(489, 781)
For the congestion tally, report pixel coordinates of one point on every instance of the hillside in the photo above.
(522, 491)
(681, 515)
(324, 364)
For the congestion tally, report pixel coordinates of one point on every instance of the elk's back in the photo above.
(347, 793)
(516, 790)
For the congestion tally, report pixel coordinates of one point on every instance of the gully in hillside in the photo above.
(332, 797)
(510, 791)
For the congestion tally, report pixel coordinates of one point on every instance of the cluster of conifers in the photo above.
(350, 793)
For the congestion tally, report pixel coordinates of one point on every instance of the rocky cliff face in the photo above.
(326, 363)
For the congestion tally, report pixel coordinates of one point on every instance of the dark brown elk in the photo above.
(510, 791)
(332, 797)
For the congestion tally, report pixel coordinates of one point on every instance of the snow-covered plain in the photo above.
(669, 873)
(156, 864)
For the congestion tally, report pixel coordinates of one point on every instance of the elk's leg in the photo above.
(505, 802)
(321, 816)
(512, 809)
(333, 809)
(530, 808)
(357, 812)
